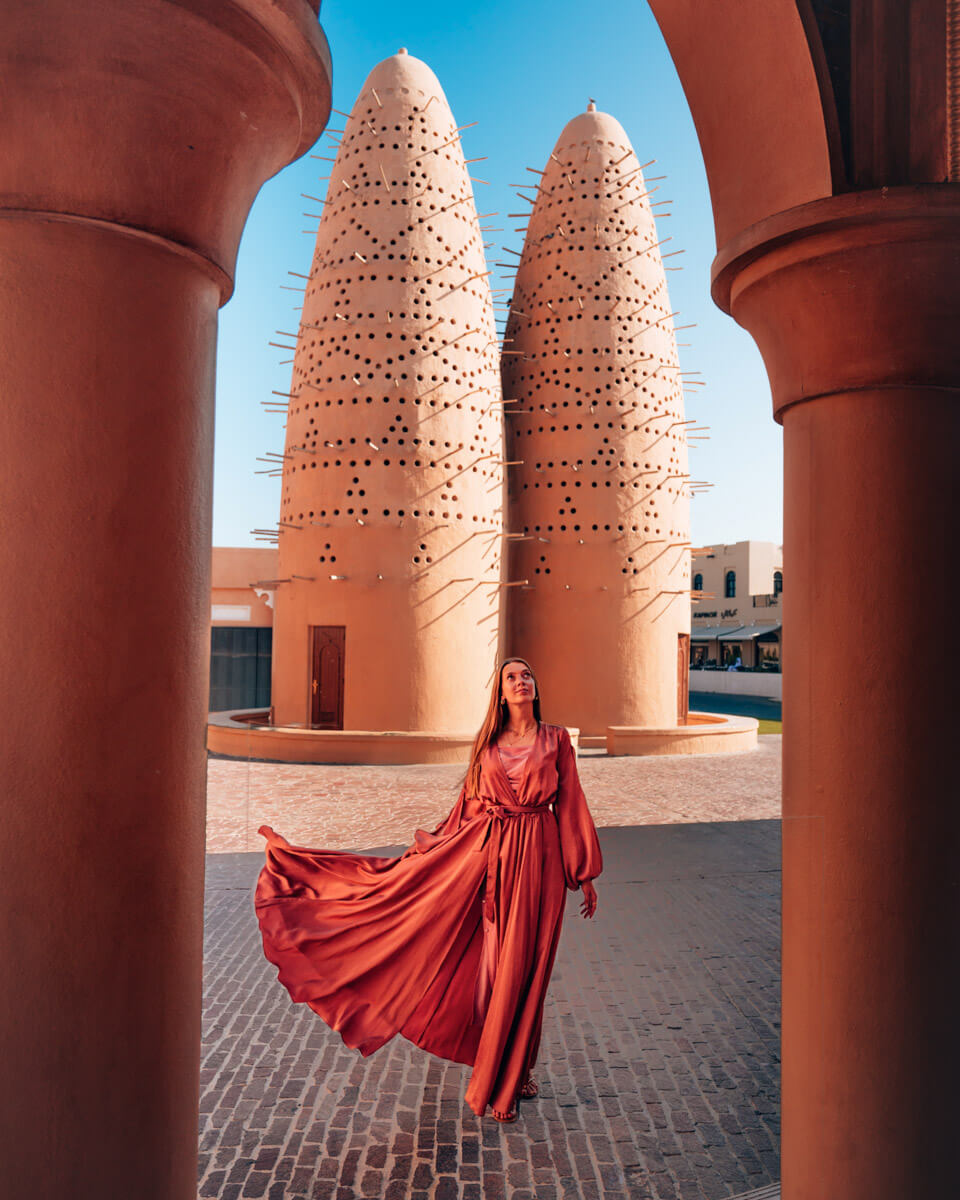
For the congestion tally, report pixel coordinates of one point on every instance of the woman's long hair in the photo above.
(497, 716)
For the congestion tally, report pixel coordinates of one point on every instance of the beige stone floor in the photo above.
(355, 807)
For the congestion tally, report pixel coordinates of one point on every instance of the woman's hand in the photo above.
(589, 905)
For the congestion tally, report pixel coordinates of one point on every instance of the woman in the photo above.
(452, 944)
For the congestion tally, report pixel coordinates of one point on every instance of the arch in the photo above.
(777, 582)
(730, 585)
(698, 582)
(752, 85)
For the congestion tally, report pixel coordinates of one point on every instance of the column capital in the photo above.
(851, 292)
(159, 119)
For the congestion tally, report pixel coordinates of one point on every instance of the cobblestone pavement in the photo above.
(347, 807)
(659, 1064)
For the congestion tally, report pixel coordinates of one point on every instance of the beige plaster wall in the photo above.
(234, 570)
(754, 563)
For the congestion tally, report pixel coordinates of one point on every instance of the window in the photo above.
(731, 655)
(777, 582)
(730, 585)
(698, 582)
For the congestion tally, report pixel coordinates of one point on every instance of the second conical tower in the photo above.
(387, 612)
(600, 496)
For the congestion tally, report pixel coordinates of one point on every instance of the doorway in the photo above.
(327, 643)
(683, 677)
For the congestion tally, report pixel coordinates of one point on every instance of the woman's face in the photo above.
(516, 683)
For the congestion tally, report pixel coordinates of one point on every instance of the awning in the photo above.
(710, 632)
(747, 632)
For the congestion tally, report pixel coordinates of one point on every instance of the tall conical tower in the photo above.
(391, 517)
(599, 426)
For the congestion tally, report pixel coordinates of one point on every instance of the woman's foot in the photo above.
(505, 1118)
(530, 1089)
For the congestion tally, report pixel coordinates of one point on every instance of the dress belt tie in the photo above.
(492, 837)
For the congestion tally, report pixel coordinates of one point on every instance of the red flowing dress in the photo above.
(451, 944)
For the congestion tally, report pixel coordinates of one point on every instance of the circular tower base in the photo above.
(244, 733)
(704, 733)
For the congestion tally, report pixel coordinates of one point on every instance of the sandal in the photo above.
(530, 1089)
(506, 1118)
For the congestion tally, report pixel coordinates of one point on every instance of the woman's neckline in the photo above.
(520, 745)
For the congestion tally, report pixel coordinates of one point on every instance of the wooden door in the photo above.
(326, 676)
(683, 677)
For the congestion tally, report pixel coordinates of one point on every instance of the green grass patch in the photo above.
(766, 726)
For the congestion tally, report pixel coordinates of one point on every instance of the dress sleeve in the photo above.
(579, 844)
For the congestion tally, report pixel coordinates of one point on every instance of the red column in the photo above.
(134, 140)
(854, 303)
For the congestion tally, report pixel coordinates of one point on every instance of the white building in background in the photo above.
(735, 608)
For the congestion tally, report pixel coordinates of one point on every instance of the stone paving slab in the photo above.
(345, 807)
(659, 1064)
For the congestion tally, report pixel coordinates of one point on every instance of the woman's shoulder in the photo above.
(556, 733)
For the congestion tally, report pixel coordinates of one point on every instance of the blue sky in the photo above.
(521, 70)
